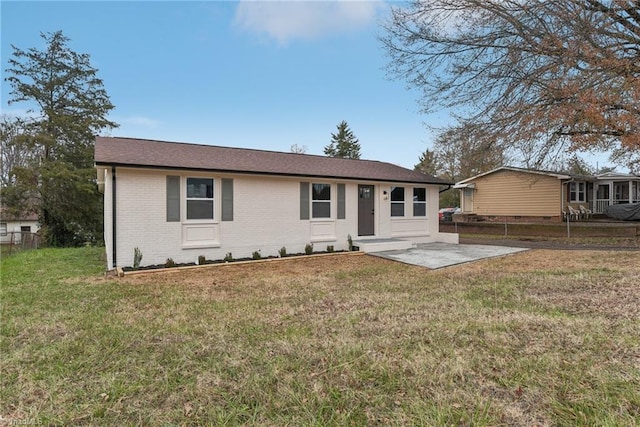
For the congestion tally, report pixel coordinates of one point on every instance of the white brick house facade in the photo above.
(262, 212)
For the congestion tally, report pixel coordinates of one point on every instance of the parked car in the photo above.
(445, 214)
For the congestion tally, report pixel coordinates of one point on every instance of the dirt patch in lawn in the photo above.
(219, 275)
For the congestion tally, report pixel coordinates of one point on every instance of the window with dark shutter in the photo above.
(173, 198)
(341, 202)
(227, 199)
(304, 200)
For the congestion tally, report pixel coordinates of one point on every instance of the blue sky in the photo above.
(248, 74)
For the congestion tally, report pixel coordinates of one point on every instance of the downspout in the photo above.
(448, 187)
(113, 215)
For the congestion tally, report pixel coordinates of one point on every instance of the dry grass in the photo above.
(537, 338)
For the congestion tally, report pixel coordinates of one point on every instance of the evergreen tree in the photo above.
(427, 163)
(578, 166)
(343, 144)
(72, 105)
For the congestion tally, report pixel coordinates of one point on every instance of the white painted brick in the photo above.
(266, 217)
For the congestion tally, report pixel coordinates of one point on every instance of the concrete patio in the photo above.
(438, 255)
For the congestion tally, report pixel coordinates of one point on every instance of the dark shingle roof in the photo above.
(7, 214)
(172, 155)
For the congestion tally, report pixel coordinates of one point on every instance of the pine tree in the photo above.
(427, 163)
(63, 87)
(343, 144)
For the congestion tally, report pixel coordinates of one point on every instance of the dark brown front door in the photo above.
(365, 210)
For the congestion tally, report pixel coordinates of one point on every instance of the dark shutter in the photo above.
(304, 200)
(227, 199)
(173, 198)
(341, 202)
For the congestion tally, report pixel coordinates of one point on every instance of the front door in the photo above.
(365, 210)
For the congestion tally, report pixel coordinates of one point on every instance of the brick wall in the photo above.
(266, 218)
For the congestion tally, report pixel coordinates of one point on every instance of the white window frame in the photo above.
(3, 229)
(212, 199)
(398, 202)
(420, 202)
(577, 191)
(313, 201)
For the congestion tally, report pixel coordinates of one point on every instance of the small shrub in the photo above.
(169, 263)
(330, 248)
(350, 242)
(228, 257)
(202, 260)
(308, 249)
(137, 257)
(282, 252)
(256, 254)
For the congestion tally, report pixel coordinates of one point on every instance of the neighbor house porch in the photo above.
(614, 188)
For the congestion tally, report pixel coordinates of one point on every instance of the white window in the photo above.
(3, 228)
(320, 200)
(577, 192)
(397, 201)
(199, 198)
(419, 201)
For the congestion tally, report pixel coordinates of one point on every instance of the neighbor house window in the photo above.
(3, 228)
(419, 202)
(577, 192)
(397, 201)
(320, 200)
(199, 198)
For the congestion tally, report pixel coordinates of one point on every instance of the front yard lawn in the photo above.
(537, 338)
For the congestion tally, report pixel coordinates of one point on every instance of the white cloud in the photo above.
(137, 121)
(285, 21)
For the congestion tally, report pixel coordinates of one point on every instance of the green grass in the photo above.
(538, 338)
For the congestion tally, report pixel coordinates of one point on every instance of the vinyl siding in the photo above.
(517, 194)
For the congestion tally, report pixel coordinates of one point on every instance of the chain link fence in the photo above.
(16, 241)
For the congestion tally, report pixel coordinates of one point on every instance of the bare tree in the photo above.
(462, 152)
(298, 149)
(550, 76)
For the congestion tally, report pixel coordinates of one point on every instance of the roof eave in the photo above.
(282, 174)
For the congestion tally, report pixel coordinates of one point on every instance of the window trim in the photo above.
(576, 194)
(187, 199)
(4, 226)
(313, 201)
(420, 202)
(398, 202)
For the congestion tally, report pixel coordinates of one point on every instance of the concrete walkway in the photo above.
(438, 255)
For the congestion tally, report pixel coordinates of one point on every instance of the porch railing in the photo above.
(600, 204)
